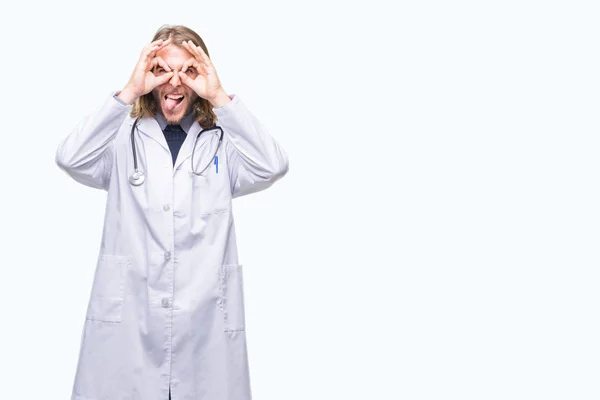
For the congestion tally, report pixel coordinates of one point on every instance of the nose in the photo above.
(175, 81)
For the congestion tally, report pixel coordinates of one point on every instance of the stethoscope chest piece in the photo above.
(137, 178)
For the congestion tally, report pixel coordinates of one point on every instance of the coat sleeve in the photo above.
(255, 160)
(87, 153)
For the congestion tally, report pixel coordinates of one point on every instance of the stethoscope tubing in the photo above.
(138, 177)
(216, 151)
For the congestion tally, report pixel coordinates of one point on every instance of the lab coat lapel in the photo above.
(186, 149)
(149, 127)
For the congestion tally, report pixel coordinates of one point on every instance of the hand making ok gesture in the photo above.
(142, 79)
(206, 84)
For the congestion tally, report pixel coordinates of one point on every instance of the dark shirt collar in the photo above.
(186, 123)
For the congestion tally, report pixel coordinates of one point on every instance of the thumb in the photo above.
(185, 79)
(164, 78)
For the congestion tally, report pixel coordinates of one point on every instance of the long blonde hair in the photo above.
(145, 106)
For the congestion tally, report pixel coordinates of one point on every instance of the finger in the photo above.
(149, 47)
(161, 80)
(201, 52)
(165, 43)
(192, 62)
(204, 56)
(148, 53)
(159, 61)
(158, 41)
(151, 64)
(197, 52)
(154, 47)
(187, 46)
(186, 80)
(193, 49)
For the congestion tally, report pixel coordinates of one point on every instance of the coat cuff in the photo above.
(121, 102)
(229, 107)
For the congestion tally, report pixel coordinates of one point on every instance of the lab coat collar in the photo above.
(153, 127)
(186, 148)
(149, 126)
(186, 122)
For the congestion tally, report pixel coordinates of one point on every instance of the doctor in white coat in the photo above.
(166, 309)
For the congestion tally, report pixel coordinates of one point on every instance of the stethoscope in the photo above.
(138, 177)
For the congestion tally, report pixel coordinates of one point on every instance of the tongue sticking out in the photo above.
(170, 104)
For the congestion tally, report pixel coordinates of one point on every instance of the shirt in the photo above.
(174, 137)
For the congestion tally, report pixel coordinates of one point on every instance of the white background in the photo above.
(436, 236)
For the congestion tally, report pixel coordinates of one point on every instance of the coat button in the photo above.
(167, 255)
(165, 302)
(166, 207)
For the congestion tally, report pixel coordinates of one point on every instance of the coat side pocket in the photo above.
(232, 297)
(108, 289)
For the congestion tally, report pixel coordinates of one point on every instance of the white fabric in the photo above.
(167, 302)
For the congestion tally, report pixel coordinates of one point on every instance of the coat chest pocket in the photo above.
(211, 194)
(201, 196)
(232, 297)
(108, 289)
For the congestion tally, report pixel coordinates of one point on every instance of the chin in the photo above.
(175, 116)
(173, 119)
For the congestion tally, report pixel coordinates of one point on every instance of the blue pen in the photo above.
(217, 163)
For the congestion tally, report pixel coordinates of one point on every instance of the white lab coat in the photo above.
(166, 306)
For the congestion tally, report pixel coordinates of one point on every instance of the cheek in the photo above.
(191, 96)
(157, 93)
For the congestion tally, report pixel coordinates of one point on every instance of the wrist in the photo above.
(127, 95)
(220, 99)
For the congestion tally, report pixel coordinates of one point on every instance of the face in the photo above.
(174, 98)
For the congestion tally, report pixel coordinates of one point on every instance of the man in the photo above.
(166, 312)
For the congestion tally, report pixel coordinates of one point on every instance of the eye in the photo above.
(159, 70)
(190, 71)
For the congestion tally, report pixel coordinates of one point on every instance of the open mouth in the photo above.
(172, 101)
